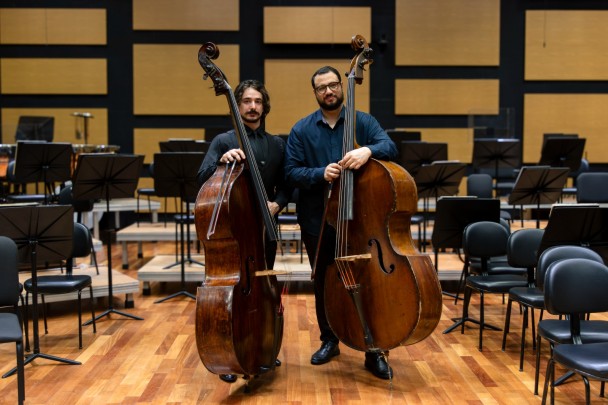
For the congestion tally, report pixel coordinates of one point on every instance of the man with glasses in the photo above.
(313, 159)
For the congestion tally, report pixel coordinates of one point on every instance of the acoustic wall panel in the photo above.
(52, 26)
(168, 80)
(186, 15)
(447, 32)
(582, 114)
(145, 140)
(566, 45)
(291, 94)
(64, 126)
(53, 76)
(445, 96)
(332, 25)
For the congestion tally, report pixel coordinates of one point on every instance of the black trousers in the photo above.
(326, 257)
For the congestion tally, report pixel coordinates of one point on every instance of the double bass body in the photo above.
(238, 316)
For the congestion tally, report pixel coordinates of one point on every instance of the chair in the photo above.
(522, 251)
(486, 240)
(574, 287)
(10, 326)
(591, 188)
(68, 282)
(584, 167)
(557, 331)
(148, 192)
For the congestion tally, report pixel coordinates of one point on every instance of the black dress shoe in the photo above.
(377, 365)
(325, 353)
(277, 363)
(229, 378)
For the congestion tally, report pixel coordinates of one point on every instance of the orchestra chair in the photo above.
(17, 196)
(557, 331)
(574, 287)
(485, 240)
(10, 325)
(583, 168)
(148, 192)
(522, 251)
(69, 282)
(591, 187)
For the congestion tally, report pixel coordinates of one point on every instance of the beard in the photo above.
(332, 105)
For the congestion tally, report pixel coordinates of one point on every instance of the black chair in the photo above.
(574, 287)
(149, 192)
(591, 187)
(10, 326)
(485, 240)
(553, 330)
(522, 251)
(584, 168)
(68, 282)
(481, 185)
(80, 206)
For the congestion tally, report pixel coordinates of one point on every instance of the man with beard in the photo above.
(268, 150)
(314, 159)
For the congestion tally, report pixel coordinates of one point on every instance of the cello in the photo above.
(239, 316)
(380, 292)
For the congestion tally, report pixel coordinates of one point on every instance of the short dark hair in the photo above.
(258, 86)
(322, 71)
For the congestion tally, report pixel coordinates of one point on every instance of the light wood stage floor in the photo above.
(155, 361)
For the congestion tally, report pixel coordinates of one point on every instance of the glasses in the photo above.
(332, 86)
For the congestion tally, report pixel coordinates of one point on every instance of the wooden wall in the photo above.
(437, 64)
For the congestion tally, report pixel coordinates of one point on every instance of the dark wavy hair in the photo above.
(322, 71)
(258, 86)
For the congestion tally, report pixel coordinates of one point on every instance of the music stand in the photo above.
(452, 215)
(562, 151)
(42, 233)
(107, 176)
(43, 162)
(496, 154)
(175, 176)
(183, 145)
(538, 185)
(414, 154)
(437, 180)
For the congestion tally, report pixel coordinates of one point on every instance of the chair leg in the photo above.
(27, 337)
(79, 319)
(465, 306)
(548, 377)
(92, 309)
(94, 258)
(20, 373)
(537, 372)
(507, 324)
(481, 319)
(24, 321)
(587, 391)
(524, 325)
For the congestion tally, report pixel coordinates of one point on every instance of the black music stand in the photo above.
(452, 215)
(183, 145)
(496, 154)
(538, 185)
(562, 151)
(43, 162)
(175, 176)
(415, 154)
(583, 225)
(107, 176)
(437, 180)
(42, 233)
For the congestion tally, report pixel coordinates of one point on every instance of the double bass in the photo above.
(380, 292)
(239, 316)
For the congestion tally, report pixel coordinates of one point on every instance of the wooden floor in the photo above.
(155, 361)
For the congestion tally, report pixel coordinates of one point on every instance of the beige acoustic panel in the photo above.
(447, 32)
(332, 25)
(52, 26)
(566, 45)
(292, 96)
(186, 15)
(582, 114)
(145, 140)
(53, 76)
(65, 126)
(446, 96)
(168, 80)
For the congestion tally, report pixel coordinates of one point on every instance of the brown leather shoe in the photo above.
(377, 365)
(325, 353)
